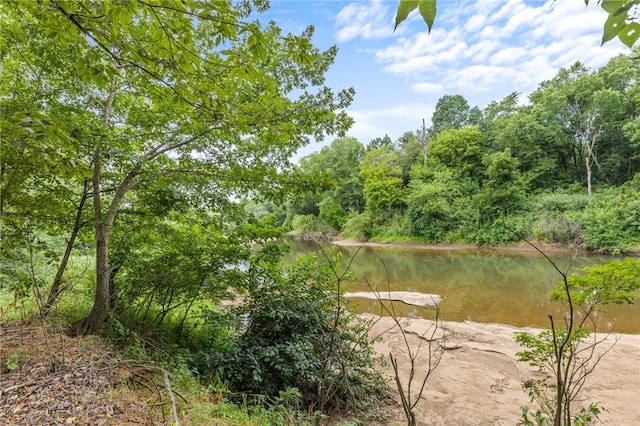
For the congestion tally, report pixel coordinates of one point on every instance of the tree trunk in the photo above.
(92, 323)
(588, 165)
(55, 290)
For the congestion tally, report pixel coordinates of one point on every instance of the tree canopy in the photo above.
(108, 101)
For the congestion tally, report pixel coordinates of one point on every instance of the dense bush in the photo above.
(358, 227)
(611, 221)
(296, 333)
(306, 223)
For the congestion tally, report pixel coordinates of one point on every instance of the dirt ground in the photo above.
(48, 378)
(59, 380)
(478, 380)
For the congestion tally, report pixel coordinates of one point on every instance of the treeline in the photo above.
(561, 168)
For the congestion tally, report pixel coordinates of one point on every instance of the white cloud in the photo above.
(427, 88)
(367, 20)
(393, 121)
(498, 46)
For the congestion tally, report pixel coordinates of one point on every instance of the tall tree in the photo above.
(453, 112)
(382, 181)
(339, 162)
(191, 92)
(380, 142)
(584, 108)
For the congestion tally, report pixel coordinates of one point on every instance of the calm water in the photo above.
(481, 285)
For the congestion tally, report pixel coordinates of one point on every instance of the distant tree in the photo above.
(461, 150)
(502, 191)
(339, 164)
(382, 181)
(453, 112)
(580, 104)
(380, 142)
(409, 150)
(544, 161)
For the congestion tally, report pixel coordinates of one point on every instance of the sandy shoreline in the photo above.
(479, 380)
(521, 247)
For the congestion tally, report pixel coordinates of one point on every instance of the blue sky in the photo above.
(482, 50)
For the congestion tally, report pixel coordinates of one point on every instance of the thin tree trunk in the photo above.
(56, 289)
(588, 165)
(93, 322)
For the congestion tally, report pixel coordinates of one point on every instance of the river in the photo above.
(482, 285)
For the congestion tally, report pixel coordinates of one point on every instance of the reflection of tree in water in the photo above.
(482, 285)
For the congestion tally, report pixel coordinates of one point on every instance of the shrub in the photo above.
(306, 223)
(298, 334)
(611, 221)
(358, 227)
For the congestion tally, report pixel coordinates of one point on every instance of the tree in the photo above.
(435, 203)
(337, 164)
(584, 109)
(622, 21)
(461, 150)
(544, 161)
(382, 181)
(193, 93)
(502, 190)
(380, 142)
(453, 112)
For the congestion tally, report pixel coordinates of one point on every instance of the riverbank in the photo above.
(521, 246)
(479, 380)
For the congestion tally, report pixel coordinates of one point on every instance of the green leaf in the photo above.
(612, 27)
(612, 7)
(428, 12)
(629, 34)
(404, 8)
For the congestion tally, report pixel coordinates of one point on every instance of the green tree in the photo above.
(502, 191)
(338, 164)
(583, 108)
(544, 161)
(380, 142)
(382, 182)
(436, 203)
(461, 150)
(452, 113)
(194, 93)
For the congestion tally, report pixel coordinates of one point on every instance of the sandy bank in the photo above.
(478, 381)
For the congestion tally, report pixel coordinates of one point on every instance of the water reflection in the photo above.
(481, 285)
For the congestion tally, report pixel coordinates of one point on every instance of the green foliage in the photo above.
(298, 334)
(615, 282)
(332, 213)
(382, 176)
(620, 22)
(13, 361)
(503, 230)
(427, 10)
(166, 107)
(435, 207)
(563, 354)
(502, 192)
(611, 221)
(358, 227)
(306, 223)
(453, 113)
(461, 150)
